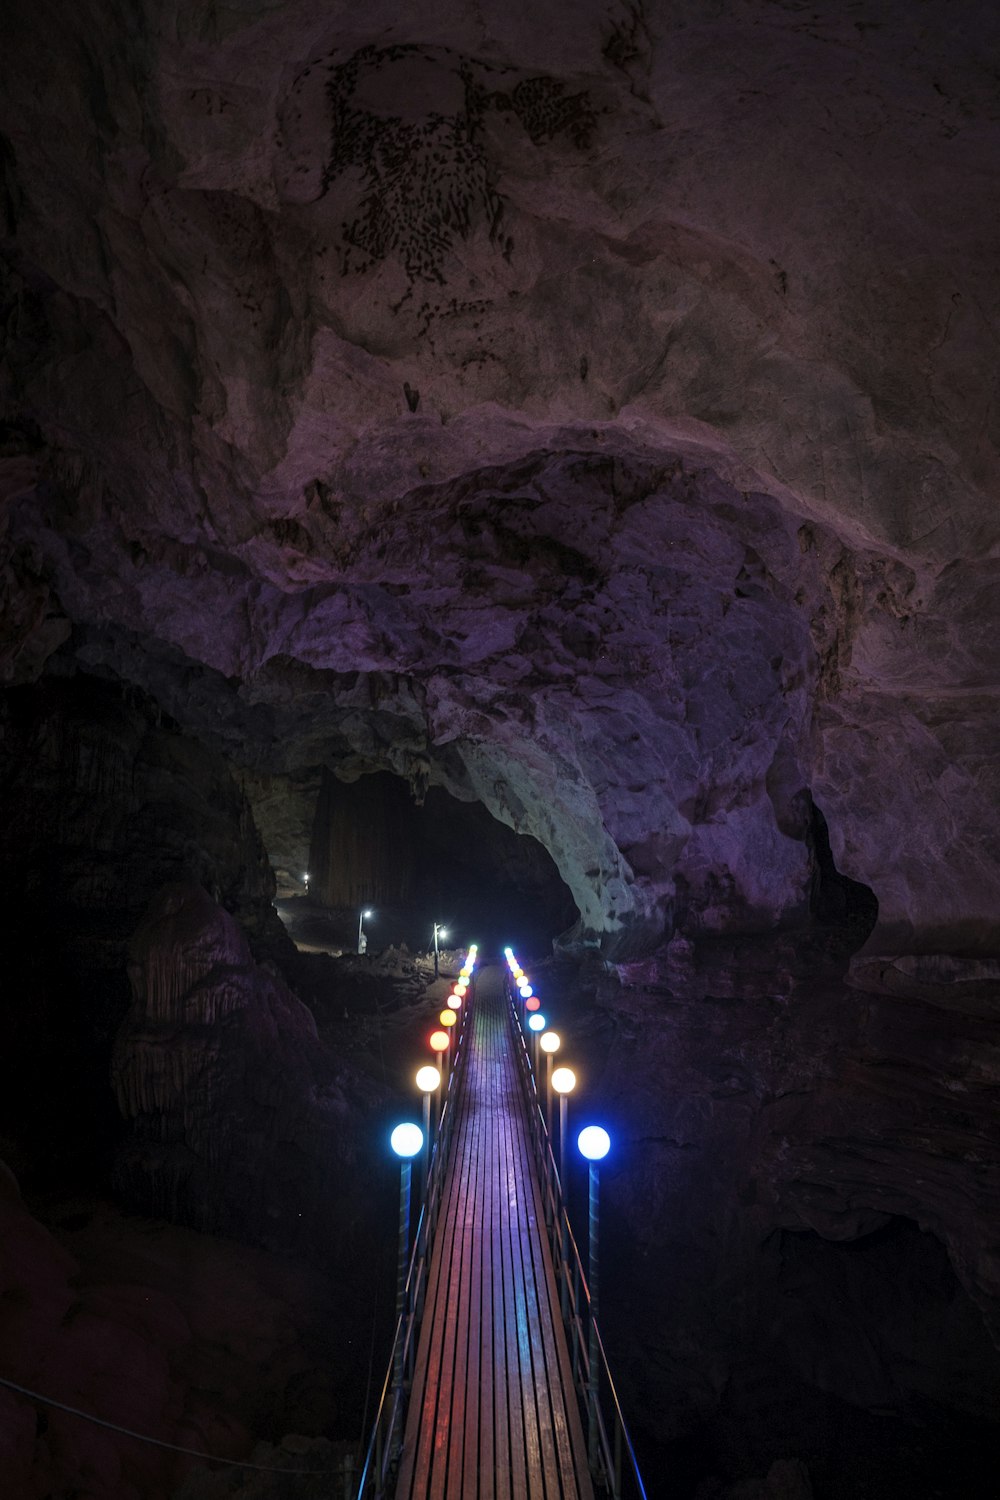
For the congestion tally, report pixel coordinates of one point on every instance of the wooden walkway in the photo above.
(492, 1414)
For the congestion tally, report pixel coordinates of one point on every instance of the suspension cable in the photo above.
(142, 1437)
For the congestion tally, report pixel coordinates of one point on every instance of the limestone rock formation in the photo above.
(186, 1340)
(590, 412)
(239, 1117)
(593, 418)
(103, 801)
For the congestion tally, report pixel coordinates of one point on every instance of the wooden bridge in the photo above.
(497, 1397)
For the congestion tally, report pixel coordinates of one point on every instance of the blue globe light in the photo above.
(407, 1140)
(594, 1142)
(536, 1022)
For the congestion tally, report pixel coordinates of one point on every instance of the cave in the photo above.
(529, 475)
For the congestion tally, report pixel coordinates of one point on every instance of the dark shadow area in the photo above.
(446, 861)
(837, 900)
(873, 1378)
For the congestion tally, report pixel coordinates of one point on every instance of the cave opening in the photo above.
(375, 846)
(836, 900)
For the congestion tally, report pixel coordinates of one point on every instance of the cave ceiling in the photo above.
(590, 409)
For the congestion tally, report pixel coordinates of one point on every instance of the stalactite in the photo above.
(362, 843)
(222, 1078)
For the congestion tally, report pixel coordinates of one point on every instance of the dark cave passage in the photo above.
(836, 899)
(441, 860)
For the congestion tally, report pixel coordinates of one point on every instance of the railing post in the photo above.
(564, 1194)
(593, 1371)
(405, 1173)
(378, 1464)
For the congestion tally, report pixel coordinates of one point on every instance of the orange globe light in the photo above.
(439, 1041)
(447, 1017)
(533, 1003)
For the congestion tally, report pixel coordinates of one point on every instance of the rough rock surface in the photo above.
(446, 393)
(189, 1340)
(802, 1199)
(590, 411)
(240, 1120)
(103, 801)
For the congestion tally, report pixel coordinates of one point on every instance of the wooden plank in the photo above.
(501, 1392)
(493, 1413)
(418, 1446)
(535, 1310)
(477, 1475)
(453, 1296)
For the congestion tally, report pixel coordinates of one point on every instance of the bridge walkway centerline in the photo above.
(492, 1413)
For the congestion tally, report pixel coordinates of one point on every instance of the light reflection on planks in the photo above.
(492, 1412)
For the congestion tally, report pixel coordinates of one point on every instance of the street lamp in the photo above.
(362, 940)
(564, 1082)
(407, 1141)
(594, 1143)
(550, 1042)
(439, 931)
(428, 1080)
(440, 1042)
(537, 1024)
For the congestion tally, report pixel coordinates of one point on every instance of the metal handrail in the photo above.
(601, 1407)
(382, 1456)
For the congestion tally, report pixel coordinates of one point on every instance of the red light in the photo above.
(533, 1004)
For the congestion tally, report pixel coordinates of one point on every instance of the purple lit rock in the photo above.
(593, 418)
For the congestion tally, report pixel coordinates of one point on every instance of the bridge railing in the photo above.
(613, 1464)
(378, 1473)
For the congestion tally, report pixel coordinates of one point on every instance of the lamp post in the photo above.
(536, 1024)
(594, 1143)
(406, 1141)
(564, 1082)
(439, 1042)
(362, 941)
(428, 1080)
(550, 1042)
(439, 931)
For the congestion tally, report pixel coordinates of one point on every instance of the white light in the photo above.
(428, 1079)
(594, 1142)
(536, 1022)
(367, 914)
(407, 1140)
(564, 1080)
(550, 1042)
(526, 991)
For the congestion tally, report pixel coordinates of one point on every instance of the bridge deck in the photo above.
(492, 1413)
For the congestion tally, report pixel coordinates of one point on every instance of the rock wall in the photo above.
(240, 1120)
(621, 457)
(192, 1341)
(801, 1197)
(104, 800)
